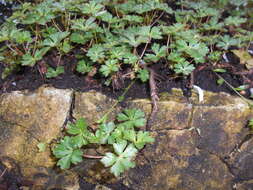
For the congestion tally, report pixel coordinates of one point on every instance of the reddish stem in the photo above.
(91, 156)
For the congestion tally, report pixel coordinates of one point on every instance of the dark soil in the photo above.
(30, 78)
(6, 10)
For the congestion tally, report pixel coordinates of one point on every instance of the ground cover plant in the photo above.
(115, 36)
(124, 138)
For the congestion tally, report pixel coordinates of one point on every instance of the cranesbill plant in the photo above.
(125, 138)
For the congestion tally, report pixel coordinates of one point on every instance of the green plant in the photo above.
(120, 161)
(250, 124)
(109, 67)
(226, 42)
(30, 60)
(143, 74)
(68, 152)
(241, 88)
(159, 52)
(51, 73)
(123, 136)
(42, 146)
(83, 67)
(132, 118)
(115, 37)
(53, 40)
(184, 68)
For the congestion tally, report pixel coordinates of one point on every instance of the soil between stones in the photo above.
(30, 78)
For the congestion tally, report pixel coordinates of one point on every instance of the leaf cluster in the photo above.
(51, 73)
(125, 137)
(111, 34)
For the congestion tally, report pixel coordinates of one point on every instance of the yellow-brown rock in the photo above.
(93, 106)
(28, 118)
(198, 145)
(190, 152)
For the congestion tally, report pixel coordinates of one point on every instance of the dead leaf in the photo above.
(245, 58)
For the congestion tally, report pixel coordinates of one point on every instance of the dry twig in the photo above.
(153, 92)
(3, 173)
(91, 156)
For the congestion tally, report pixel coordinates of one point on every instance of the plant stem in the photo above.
(36, 39)
(91, 156)
(20, 2)
(2, 174)
(227, 83)
(116, 103)
(145, 48)
(15, 49)
(156, 20)
(167, 44)
(56, 25)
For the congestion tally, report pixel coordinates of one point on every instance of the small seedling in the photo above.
(250, 124)
(184, 68)
(42, 146)
(51, 73)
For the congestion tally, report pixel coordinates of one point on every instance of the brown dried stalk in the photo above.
(92, 156)
(153, 93)
(3, 173)
(154, 97)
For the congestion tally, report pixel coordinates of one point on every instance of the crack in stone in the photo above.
(237, 148)
(190, 120)
(229, 167)
(247, 138)
(24, 128)
(169, 129)
(223, 160)
(240, 182)
(69, 116)
(189, 123)
(13, 123)
(32, 135)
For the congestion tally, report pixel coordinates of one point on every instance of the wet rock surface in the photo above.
(198, 145)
